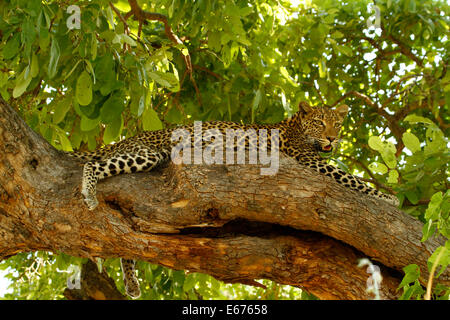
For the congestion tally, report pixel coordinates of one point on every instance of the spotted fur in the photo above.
(130, 281)
(307, 133)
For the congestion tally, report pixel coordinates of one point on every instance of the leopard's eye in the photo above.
(337, 125)
(319, 122)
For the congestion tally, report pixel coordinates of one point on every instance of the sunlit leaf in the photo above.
(84, 89)
(54, 58)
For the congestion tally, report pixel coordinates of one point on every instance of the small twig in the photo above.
(319, 94)
(393, 122)
(127, 29)
(139, 30)
(142, 16)
(126, 47)
(358, 95)
(405, 50)
(397, 89)
(218, 76)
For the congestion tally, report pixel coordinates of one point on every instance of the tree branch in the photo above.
(392, 121)
(227, 221)
(405, 50)
(142, 16)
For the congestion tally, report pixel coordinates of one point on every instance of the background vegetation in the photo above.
(249, 61)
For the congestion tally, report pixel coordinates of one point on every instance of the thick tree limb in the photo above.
(228, 221)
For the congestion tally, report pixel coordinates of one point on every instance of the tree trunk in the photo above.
(295, 227)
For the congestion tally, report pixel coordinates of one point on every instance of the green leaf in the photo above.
(112, 109)
(214, 40)
(412, 118)
(22, 82)
(412, 196)
(375, 143)
(428, 229)
(411, 142)
(337, 35)
(436, 141)
(61, 109)
(151, 121)
(34, 66)
(28, 35)
(88, 124)
(94, 44)
(412, 6)
(54, 58)
(434, 209)
(138, 105)
(127, 39)
(170, 9)
(444, 259)
(412, 273)
(393, 176)
(256, 99)
(322, 67)
(378, 167)
(415, 290)
(113, 130)
(345, 50)
(12, 47)
(389, 158)
(90, 69)
(168, 80)
(65, 142)
(189, 282)
(44, 39)
(84, 89)
(286, 75)
(76, 138)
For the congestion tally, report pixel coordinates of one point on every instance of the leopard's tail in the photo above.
(85, 156)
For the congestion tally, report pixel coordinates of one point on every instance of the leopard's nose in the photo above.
(331, 139)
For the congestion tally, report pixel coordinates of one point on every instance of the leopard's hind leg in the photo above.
(126, 162)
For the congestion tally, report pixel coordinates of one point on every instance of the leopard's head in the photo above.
(321, 125)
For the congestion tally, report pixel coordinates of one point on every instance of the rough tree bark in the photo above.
(295, 227)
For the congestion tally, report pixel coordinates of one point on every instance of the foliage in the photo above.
(250, 61)
(43, 275)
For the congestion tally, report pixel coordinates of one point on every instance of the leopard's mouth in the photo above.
(327, 148)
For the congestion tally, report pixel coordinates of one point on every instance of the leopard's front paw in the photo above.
(91, 202)
(89, 198)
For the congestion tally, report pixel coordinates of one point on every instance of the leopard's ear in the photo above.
(304, 107)
(342, 111)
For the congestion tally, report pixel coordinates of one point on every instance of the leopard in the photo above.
(306, 136)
